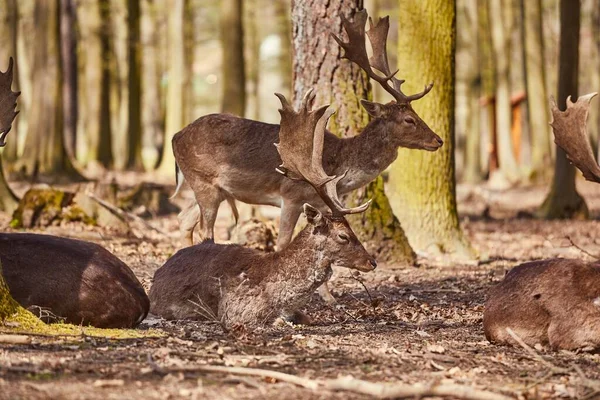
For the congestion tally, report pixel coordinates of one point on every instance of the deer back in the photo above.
(69, 279)
(553, 302)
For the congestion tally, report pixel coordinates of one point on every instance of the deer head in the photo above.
(8, 102)
(570, 134)
(406, 127)
(301, 136)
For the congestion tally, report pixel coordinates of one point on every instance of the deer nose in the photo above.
(373, 263)
(439, 140)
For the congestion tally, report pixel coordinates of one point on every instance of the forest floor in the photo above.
(415, 324)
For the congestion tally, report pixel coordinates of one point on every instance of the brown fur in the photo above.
(224, 157)
(79, 281)
(552, 302)
(249, 288)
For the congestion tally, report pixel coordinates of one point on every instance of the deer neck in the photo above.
(301, 267)
(365, 156)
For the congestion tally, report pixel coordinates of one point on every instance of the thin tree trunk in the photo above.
(175, 87)
(284, 31)
(563, 201)
(8, 200)
(253, 56)
(232, 41)
(134, 87)
(318, 65)
(470, 28)
(423, 184)
(118, 66)
(68, 52)
(488, 83)
(501, 27)
(535, 80)
(595, 115)
(9, 17)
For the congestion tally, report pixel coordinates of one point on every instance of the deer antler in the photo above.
(301, 137)
(570, 134)
(355, 50)
(8, 102)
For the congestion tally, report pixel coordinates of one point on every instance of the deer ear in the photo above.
(375, 110)
(313, 216)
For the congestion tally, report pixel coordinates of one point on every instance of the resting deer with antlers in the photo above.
(242, 287)
(224, 157)
(65, 279)
(553, 302)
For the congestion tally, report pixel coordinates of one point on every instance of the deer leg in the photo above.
(326, 294)
(210, 198)
(290, 212)
(188, 219)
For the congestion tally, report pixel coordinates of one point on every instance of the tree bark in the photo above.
(563, 201)
(175, 87)
(501, 26)
(535, 80)
(232, 43)
(595, 114)
(423, 184)
(284, 31)
(8, 200)
(318, 65)
(134, 87)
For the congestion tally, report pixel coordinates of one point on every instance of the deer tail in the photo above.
(179, 179)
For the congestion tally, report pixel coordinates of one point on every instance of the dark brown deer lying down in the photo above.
(224, 157)
(242, 287)
(553, 302)
(71, 280)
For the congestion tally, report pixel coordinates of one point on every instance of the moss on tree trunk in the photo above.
(422, 184)
(318, 65)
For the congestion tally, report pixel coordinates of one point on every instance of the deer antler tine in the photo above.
(569, 102)
(422, 94)
(8, 102)
(284, 103)
(308, 99)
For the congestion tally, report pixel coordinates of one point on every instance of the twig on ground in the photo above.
(584, 251)
(349, 384)
(357, 279)
(536, 355)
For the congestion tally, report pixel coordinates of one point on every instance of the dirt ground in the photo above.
(415, 324)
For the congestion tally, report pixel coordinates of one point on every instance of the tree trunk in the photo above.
(118, 66)
(535, 80)
(595, 114)
(318, 65)
(232, 43)
(45, 153)
(252, 35)
(422, 183)
(563, 201)
(175, 87)
(134, 87)
(284, 31)
(472, 76)
(68, 53)
(8, 200)
(501, 27)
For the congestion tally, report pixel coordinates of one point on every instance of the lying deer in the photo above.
(66, 279)
(242, 287)
(553, 302)
(224, 157)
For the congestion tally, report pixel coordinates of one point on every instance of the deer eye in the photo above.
(343, 238)
(410, 120)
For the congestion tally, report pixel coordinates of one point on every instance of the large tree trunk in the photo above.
(535, 79)
(422, 183)
(45, 153)
(595, 71)
(134, 87)
(175, 87)
(232, 43)
(563, 201)
(8, 200)
(318, 65)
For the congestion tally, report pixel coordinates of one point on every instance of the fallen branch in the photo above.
(581, 249)
(536, 355)
(349, 384)
(124, 214)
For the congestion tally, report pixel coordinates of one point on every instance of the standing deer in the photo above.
(224, 157)
(66, 279)
(242, 287)
(553, 302)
